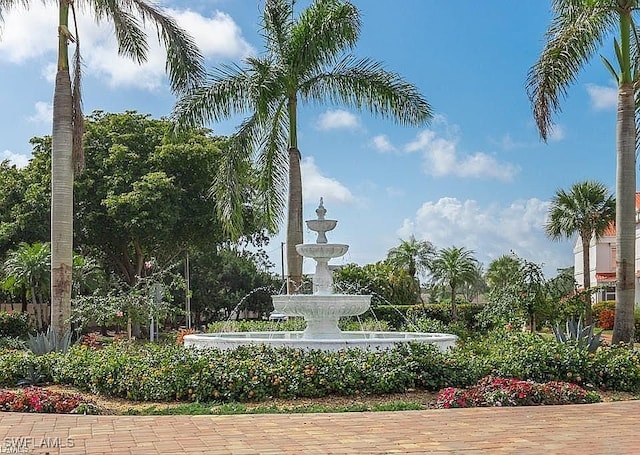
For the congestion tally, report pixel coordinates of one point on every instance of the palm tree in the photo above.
(587, 210)
(453, 267)
(28, 268)
(412, 255)
(577, 30)
(502, 271)
(306, 61)
(184, 68)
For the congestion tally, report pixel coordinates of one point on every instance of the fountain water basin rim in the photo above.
(365, 340)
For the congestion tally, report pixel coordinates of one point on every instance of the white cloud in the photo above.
(441, 158)
(28, 34)
(602, 98)
(315, 185)
(217, 36)
(43, 114)
(382, 144)
(489, 231)
(17, 159)
(337, 119)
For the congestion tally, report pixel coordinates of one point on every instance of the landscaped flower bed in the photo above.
(37, 399)
(493, 391)
(154, 372)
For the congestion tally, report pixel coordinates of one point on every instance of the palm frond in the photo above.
(184, 60)
(576, 32)
(6, 5)
(273, 165)
(131, 38)
(365, 84)
(277, 21)
(323, 33)
(77, 117)
(226, 93)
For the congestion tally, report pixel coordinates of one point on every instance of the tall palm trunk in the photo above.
(586, 273)
(625, 215)
(62, 184)
(294, 219)
(294, 224)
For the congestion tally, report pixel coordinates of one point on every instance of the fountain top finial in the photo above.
(321, 211)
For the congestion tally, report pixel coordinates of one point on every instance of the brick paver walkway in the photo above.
(603, 428)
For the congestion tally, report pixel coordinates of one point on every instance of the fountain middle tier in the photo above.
(321, 311)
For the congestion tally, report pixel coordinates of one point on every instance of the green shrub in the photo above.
(394, 315)
(15, 325)
(467, 313)
(18, 365)
(291, 324)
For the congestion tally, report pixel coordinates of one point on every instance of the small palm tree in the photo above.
(577, 30)
(413, 256)
(306, 61)
(587, 210)
(502, 271)
(28, 268)
(453, 267)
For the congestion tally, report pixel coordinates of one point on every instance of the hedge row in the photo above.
(170, 372)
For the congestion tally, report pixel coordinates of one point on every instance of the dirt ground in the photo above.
(426, 399)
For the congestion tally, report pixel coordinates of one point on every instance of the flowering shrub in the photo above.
(492, 391)
(606, 318)
(182, 333)
(36, 399)
(91, 340)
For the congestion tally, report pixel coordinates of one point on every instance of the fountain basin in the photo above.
(322, 250)
(321, 311)
(358, 340)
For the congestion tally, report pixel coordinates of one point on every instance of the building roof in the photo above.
(605, 276)
(611, 229)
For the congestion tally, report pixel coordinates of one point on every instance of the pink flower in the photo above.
(119, 314)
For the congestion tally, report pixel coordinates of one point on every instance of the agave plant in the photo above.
(575, 331)
(49, 341)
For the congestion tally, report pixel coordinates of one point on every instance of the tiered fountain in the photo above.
(321, 310)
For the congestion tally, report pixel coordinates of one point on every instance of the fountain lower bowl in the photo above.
(321, 305)
(364, 340)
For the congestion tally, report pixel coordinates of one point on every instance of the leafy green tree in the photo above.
(502, 271)
(531, 291)
(145, 195)
(576, 32)
(388, 284)
(587, 210)
(184, 68)
(25, 195)
(225, 279)
(523, 298)
(453, 267)
(306, 61)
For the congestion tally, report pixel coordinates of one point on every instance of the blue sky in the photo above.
(478, 176)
